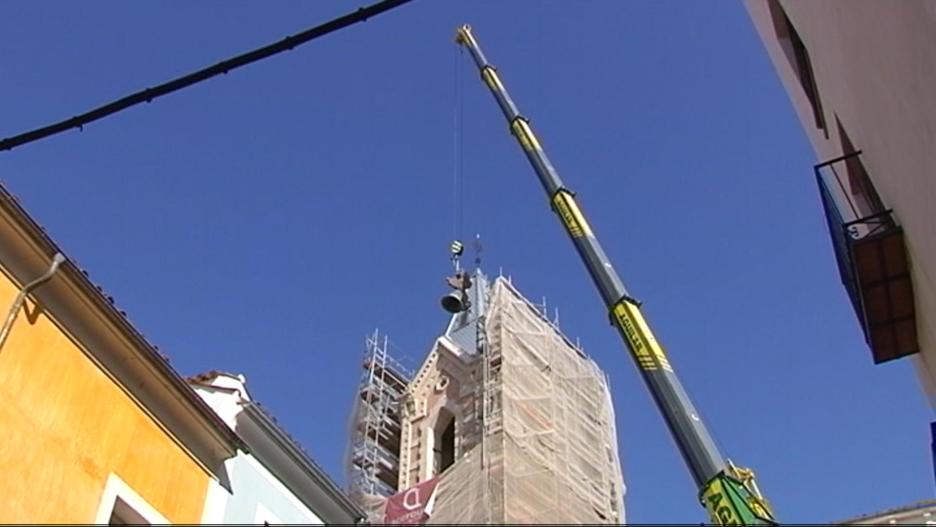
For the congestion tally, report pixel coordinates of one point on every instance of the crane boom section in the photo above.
(721, 489)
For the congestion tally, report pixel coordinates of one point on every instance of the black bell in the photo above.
(455, 302)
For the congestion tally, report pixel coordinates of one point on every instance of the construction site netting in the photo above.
(548, 451)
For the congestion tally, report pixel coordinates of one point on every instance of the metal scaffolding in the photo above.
(374, 457)
(530, 415)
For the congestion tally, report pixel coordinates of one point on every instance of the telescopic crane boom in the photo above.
(728, 493)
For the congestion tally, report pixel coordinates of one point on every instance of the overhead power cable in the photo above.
(204, 74)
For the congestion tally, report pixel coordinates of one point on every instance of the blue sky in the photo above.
(264, 222)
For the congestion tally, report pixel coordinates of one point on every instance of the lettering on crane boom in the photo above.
(574, 221)
(647, 351)
(719, 504)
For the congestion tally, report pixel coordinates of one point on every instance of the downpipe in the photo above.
(57, 261)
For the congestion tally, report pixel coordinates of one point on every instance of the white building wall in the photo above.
(875, 68)
(254, 492)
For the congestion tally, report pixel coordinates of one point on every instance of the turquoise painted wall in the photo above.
(253, 486)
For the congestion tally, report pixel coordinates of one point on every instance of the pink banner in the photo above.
(412, 506)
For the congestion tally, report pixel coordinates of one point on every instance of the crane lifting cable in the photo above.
(458, 164)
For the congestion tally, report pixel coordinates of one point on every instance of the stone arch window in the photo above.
(444, 441)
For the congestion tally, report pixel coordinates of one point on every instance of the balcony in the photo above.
(871, 255)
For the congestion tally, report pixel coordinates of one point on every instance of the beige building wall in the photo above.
(874, 65)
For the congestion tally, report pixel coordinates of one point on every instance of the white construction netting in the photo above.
(549, 452)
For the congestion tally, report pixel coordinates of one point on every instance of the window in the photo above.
(121, 505)
(444, 444)
(863, 194)
(124, 514)
(447, 454)
(796, 53)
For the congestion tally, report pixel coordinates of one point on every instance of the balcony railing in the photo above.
(871, 255)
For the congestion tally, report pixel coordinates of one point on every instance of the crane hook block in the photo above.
(457, 249)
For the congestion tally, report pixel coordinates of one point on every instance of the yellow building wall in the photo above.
(65, 426)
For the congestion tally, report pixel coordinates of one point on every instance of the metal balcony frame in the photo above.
(846, 236)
